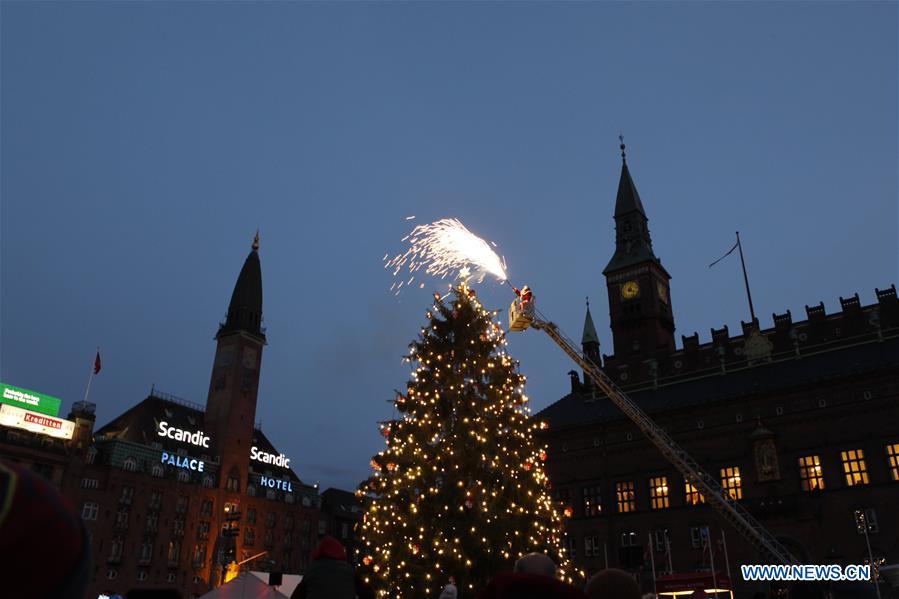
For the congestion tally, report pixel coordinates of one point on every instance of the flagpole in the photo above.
(652, 560)
(605, 552)
(91, 377)
(746, 279)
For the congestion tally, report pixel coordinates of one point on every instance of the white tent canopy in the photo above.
(254, 585)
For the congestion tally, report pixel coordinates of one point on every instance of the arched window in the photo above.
(251, 490)
(158, 470)
(183, 476)
(130, 464)
(207, 481)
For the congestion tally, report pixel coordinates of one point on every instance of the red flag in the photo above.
(97, 363)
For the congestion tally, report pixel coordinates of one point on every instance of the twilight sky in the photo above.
(141, 145)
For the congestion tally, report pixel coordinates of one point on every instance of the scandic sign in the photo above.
(29, 400)
(201, 439)
(36, 423)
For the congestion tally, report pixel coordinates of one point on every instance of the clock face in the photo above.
(663, 292)
(630, 290)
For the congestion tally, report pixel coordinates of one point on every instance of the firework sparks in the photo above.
(446, 248)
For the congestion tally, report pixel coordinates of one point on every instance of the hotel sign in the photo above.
(274, 483)
(198, 438)
(269, 458)
(36, 422)
(29, 400)
(183, 462)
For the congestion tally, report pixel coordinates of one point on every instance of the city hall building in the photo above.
(172, 492)
(799, 421)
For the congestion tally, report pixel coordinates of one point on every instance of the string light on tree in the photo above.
(460, 488)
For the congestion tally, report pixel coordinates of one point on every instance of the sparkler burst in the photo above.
(445, 248)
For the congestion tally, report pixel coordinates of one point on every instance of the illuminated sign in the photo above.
(269, 458)
(181, 461)
(35, 422)
(274, 483)
(197, 438)
(29, 400)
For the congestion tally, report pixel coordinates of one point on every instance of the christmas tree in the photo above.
(460, 489)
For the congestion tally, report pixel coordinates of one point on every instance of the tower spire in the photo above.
(589, 335)
(245, 308)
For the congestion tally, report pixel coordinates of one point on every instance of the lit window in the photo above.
(658, 492)
(693, 496)
(854, 467)
(893, 455)
(730, 480)
(625, 494)
(810, 473)
(592, 501)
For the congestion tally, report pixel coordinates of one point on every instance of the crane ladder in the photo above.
(711, 489)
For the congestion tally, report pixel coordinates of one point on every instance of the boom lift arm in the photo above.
(711, 489)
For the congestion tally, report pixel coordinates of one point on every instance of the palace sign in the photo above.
(269, 458)
(29, 400)
(181, 461)
(35, 422)
(274, 483)
(197, 438)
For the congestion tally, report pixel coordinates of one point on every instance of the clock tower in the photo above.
(639, 294)
(231, 403)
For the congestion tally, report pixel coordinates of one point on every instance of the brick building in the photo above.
(798, 421)
(172, 491)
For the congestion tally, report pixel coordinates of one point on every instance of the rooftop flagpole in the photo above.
(739, 246)
(746, 279)
(95, 368)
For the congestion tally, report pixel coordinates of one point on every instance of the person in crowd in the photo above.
(330, 575)
(450, 591)
(613, 584)
(43, 541)
(533, 577)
